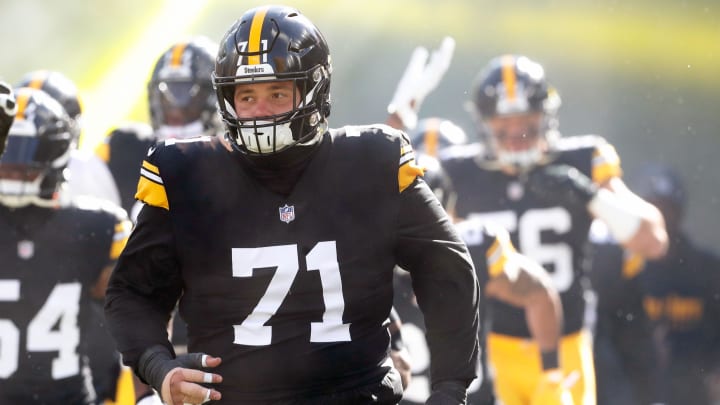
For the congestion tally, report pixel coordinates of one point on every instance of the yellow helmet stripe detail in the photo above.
(38, 80)
(177, 53)
(431, 138)
(508, 75)
(255, 33)
(22, 100)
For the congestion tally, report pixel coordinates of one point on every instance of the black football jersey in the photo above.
(51, 258)
(293, 292)
(490, 249)
(554, 236)
(123, 151)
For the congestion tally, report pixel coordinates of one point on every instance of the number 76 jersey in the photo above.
(554, 235)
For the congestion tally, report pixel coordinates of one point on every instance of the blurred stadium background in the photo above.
(643, 73)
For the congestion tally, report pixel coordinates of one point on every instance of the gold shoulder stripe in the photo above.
(151, 189)
(632, 265)
(605, 164)
(102, 151)
(407, 173)
(498, 254)
(152, 168)
(122, 233)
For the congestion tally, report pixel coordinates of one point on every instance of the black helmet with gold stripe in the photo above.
(273, 44)
(180, 91)
(514, 87)
(58, 86)
(38, 150)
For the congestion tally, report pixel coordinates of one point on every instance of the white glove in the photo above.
(419, 79)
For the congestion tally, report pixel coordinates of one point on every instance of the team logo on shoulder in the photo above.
(26, 249)
(287, 213)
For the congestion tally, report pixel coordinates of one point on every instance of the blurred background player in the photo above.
(8, 107)
(545, 190)
(86, 176)
(57, 254)
(625, 351)
(182, 105)
(181, 97)
(682, 295)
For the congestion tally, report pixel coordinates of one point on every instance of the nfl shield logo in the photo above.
(287, 213)
(25, 249)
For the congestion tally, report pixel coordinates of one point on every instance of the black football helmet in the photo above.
(180, 91)
(514, 85)
(272, 44)
(62, 89)
(8, 108)
(432, 135)
(38, 151)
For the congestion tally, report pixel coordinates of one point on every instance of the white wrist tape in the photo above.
(622, 216)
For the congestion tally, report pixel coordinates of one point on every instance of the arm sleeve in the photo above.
(444, 282)
(144, 287)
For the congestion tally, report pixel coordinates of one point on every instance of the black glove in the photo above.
(156, 362)
(7, 112)
(562, 185)
(448, 393)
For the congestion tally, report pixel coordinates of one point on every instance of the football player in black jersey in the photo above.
(280, 240)
(7, 112)
(56, 253)
(502, 273)
(682, 295)
(625, 351)
(545, 190)
(86, 176)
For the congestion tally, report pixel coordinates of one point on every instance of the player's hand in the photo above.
(421, 76)
(448, 393)
(561, 184)
(554, 389)
(180, 386)
(178, 379)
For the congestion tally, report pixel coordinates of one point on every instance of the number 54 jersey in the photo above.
(555, 236)
(293, 291)
(50, 259)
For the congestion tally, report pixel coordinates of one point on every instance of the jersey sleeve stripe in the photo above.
(103, 152)
(151, 176)
(122, 233)
(407, 173)
(150, 167)
(632, 265)
(498, 255)
(152, 193)
(605, 164)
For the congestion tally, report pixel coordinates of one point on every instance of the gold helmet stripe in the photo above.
(177, 53)
(255, 33)
(431, 137)
(508, 76)
(22, 99)
(38, 79)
